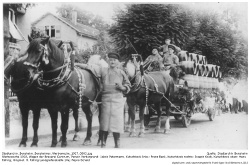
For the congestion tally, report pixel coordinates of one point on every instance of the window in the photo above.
(53, 31)
(47, 30)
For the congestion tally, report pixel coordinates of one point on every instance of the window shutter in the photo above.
(58, 31)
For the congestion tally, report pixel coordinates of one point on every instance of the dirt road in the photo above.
(227, 131)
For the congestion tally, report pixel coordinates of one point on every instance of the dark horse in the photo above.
(147, 89)
(64, 88)
(29, 98)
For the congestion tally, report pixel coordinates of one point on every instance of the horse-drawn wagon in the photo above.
(194, 92)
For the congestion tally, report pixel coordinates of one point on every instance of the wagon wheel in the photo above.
(186, 119)
(178, 117)
(211, 114)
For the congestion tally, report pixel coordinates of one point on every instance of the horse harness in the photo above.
(63, 77)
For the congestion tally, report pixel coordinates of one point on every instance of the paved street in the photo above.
(227, 131)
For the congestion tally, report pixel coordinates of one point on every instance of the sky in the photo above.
(106, 9)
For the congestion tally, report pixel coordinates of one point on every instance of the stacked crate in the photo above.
(199, 74)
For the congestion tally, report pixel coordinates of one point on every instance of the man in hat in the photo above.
(164, 48)
(115, 84)
(170, 59)
(154, 61)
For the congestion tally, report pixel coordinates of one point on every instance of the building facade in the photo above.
(60, 28)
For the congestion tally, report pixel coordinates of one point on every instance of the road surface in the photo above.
(227, 131)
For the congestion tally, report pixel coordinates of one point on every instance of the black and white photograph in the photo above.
(93, 82)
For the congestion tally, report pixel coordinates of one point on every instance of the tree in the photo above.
(146, 25)
(103, 44)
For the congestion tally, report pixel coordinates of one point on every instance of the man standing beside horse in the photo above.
(115, 83)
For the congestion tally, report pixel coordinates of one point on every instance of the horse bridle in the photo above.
(44, 54)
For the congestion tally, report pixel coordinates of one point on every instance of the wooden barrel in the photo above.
(220, 74)
(183, 56)
(215, 83)
(189, 67)
(194, 57)
(200, 59)
(209, 82)
(217, 71)
(202, 82)
(201, 70)
(210, 69)
(192, 80)
(204, 58)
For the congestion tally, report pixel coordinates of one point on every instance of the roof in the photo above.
(79, 28)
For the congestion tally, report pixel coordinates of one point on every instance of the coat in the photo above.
(113, 100)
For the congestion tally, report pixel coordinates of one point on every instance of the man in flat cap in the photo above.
(115, 83)
(170, 59)
(164, 48)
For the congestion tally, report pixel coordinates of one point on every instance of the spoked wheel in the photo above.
(178, 117)
(186, 121)
(211, 114)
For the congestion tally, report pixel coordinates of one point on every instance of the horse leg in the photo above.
(25, 115)
(76, 115)
(167, 124)
(141, 115)
(64, 126)
(131, 113)
(89, 115)
(36, 116)
(158, 122)
(54, 117)
(127, 124)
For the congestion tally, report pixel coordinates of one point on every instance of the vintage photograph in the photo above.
(125, 75)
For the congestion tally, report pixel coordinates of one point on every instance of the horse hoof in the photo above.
(33, 145)
(157, 130)
(127, 129)
(166, 131)
(64, 144)
(98, 142)
(87, 142)
(141, 134)
(53, 145)
(22, 145)
(76, 137)
(132, 134)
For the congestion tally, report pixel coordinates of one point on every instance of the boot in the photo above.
(99, 138)
(117, 139)
(104, 138)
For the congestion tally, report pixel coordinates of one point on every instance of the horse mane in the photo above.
(34, 45)
(55, 50)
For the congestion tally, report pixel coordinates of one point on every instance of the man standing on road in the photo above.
(115, 84)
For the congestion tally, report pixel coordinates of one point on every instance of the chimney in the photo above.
(74, 17)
